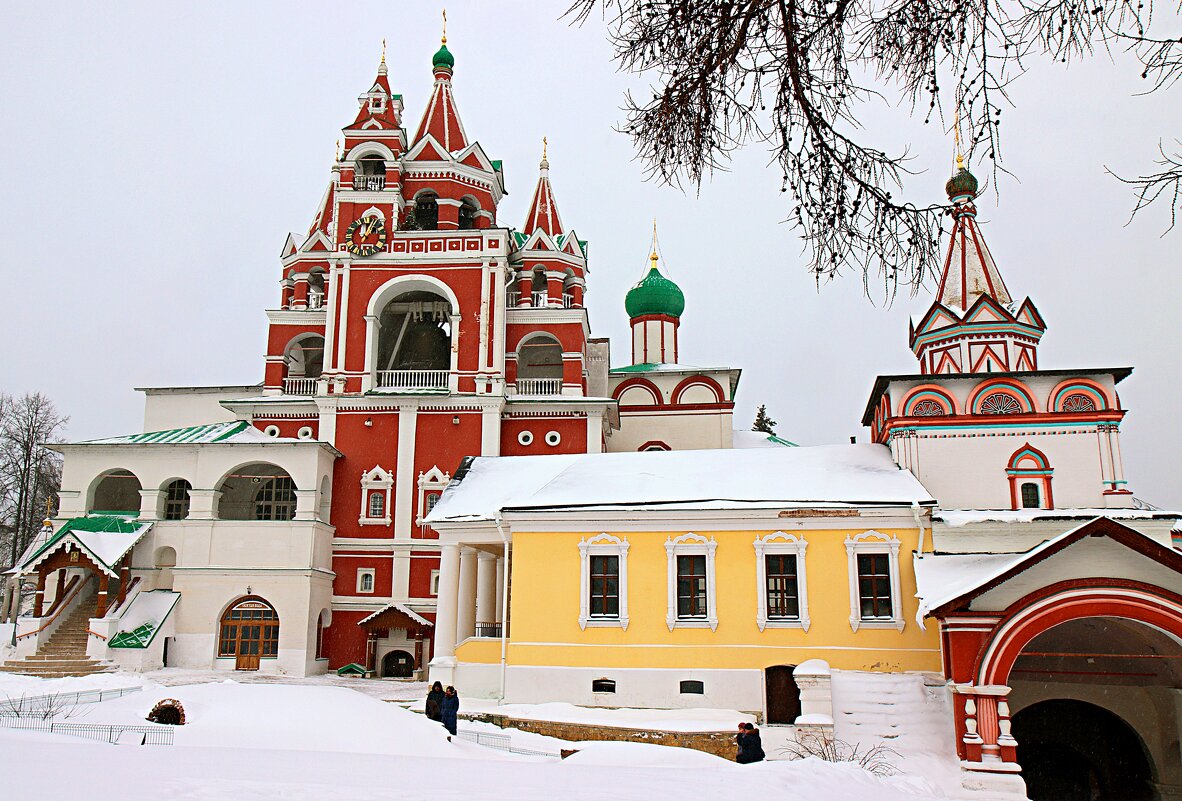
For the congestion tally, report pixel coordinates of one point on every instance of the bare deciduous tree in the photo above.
(30, 473)
(794, 74)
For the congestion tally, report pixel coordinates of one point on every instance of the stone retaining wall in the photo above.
(719, 743)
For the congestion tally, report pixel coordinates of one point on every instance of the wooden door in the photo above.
(250, 637)
(783, 696)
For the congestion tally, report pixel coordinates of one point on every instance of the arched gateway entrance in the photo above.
(1073, 682)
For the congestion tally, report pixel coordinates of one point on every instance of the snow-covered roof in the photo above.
(963, 517)
(105, 538)
(141, 621)
(233, 431)
(716, 479)
(942, 578)
(406, 610)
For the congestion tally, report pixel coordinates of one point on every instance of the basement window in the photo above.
(692, 688)
(603, 686)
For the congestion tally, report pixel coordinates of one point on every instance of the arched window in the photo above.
(377, 504)
(468, 214)
(305, 357)
(176, 499)
(539, 366)
(317, 288)
(427, 211)
(257, 491)
(117, 491)
(249, 632)
(1030, 475)
(1030, 496)
(371, 174)
(414, 335)
(1000, 403)
(539, 287)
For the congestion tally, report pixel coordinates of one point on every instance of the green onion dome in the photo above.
(443, 58)
(963, 183)
(654, 294)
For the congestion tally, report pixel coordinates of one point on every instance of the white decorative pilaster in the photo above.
(466, 604)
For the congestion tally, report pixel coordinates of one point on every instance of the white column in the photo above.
(466, 605)
(500, 602)
(444, 648)
(404, 480)
(486, 587)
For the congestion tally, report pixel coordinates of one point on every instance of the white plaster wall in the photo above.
(966, 468)
(680, 430)
(193, 406)
(635, 687)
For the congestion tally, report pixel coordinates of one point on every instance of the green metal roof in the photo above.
(212, 432)
(654, 294)
(105, 551)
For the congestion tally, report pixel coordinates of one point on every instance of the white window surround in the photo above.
(434, 480)
(690, 544)
(375, 480)
(779, 542)
(602, 545)
(868, 542)
(362, 574)
(433, 588)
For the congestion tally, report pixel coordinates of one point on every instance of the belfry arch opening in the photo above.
(415, 335)
(469, 211)
(426, 211)
(1091, 699)
(371, 173)
(539, 365)
(257, 491)
(117, 491)
(305, 357)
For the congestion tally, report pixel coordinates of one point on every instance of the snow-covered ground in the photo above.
(313, 740)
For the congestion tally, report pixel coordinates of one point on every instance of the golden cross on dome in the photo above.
(653, 257)
(383, 50)
(956, 134)
(444, 41)
(543, 148)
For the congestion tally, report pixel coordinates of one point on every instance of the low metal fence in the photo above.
(136, 735)
(34, 704)
(501, 742)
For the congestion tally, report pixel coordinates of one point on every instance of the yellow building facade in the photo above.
(679, 601)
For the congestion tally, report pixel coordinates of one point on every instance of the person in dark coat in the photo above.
(434, 703)
(752, 744)
(741, 741)
(449, 708)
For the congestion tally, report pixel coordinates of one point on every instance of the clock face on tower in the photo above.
(365, 236)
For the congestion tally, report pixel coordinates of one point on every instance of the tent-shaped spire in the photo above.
(376, 103)
(441, 119)
(543, 211)
(969, 269)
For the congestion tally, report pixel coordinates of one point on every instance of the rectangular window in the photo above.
(434, 589)
(365, 579)
(783, 596)
(691, 587)
(874, 586)
(605, 586)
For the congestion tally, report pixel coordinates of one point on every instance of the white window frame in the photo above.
(602, 545)
(874, 542)
(433, 480)
(780, 542)
(376, 479)
(691, 544)
(362, 572)
(433, 586)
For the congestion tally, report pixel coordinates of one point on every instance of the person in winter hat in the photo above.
(753, 744)
(434, 703)
(741, 742)
(449, 708)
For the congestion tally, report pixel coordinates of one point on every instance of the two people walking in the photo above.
(750, 746)
(443, 706)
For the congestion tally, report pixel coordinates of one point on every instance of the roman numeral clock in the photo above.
(365, 236)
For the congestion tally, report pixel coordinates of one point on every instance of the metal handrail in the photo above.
(54, 615)
(412, 379)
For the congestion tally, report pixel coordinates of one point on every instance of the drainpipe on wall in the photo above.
(504, 603)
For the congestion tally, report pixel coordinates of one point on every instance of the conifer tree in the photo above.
(762, 422)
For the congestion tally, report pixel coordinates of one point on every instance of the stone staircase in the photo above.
(65, 652)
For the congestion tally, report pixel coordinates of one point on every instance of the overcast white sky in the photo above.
(154, 156)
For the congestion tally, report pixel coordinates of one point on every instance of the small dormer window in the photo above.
(377, 104)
